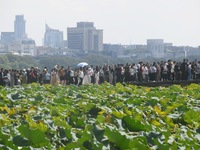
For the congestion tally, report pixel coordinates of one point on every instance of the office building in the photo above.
(85, 37)
(20, 27)
(53, 38)
(7, 37)
(156, 47)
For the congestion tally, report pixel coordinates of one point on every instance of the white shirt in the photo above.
(145, 70)
(131, 71)
(81, 74)
(71, 73)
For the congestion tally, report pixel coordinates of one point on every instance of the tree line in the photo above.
(10, 61)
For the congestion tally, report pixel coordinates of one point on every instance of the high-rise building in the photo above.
(156, 47)
(20, 27)
(53, 38)
(85, 37)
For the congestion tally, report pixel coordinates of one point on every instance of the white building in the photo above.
(156, 47)
(53, 38)
(23, 47)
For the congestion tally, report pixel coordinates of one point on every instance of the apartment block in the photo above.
(85, 37)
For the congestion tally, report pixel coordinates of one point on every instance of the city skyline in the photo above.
(125, 22)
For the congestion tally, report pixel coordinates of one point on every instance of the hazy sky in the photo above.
(122, 21)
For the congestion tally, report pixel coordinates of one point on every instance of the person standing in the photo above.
(172, 71)
(71, 79)
(184, 69)
(169, 67)
(177, 70)
(47, 76)
(80, 76)
(111, 75)
(101, 75)
(62, 75)
(24, 76)
(96, 75)
(165, 71)
(140, 70)
(106, 73)
(189, 75)
(1, 76)
(127, 73)
(92, 74)
(131, 70)
(53, 77)
(118, 73)
(87, 77)
(145, 73)
(75, 76)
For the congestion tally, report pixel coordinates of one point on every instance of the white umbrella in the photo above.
(82, 64)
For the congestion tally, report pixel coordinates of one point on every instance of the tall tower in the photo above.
(19, 27)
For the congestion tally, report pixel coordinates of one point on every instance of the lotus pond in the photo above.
(100, 117)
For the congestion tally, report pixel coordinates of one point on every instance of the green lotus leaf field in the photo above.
(100, 117)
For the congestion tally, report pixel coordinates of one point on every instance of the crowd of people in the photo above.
(140, 72)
